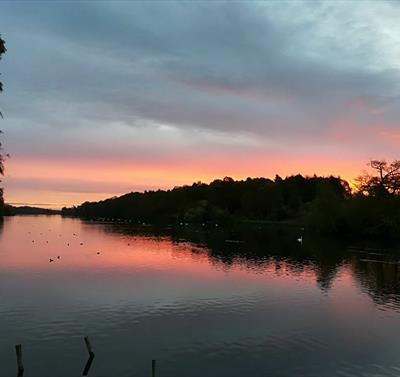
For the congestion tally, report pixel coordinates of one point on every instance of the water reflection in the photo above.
(259, 248)
(379, 278)
(233, 302)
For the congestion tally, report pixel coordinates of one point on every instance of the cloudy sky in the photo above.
(103, 98)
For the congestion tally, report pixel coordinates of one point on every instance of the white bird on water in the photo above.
(300, 239)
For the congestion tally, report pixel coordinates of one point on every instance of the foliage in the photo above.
(2, 51)
(383, 181)
(373, 211)
(220, 201)
(321, 204)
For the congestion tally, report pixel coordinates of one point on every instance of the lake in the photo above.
(202, 302)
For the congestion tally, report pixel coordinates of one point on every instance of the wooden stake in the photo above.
(18, 350)
(87, 366)
(91, 357)
(88, 346)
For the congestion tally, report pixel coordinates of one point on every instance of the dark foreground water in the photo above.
(198, 304)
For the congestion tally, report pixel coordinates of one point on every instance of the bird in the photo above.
(300, 239)
(51, 260)
(58, 257)
(67, 244)
(81, 243)
(98, 253)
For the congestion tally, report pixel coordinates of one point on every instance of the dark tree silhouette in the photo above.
(222, 200)
(383, 181)
(2, 51)
(321, 204)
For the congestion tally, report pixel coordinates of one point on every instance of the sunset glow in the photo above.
(240, 89)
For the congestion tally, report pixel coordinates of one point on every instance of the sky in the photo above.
(102, 98)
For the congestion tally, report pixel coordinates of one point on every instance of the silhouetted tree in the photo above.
(2, 51)
(221, 200)
(383, 181)
(321, 204)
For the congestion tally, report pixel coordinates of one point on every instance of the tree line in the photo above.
(222, 199)
(322, 204)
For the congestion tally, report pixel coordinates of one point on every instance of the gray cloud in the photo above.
(222, 65)
(282, 74)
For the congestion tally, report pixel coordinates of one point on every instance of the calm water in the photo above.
(201, 306)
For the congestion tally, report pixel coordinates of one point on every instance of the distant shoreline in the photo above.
(10, 210)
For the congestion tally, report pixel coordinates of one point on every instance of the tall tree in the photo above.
(2, 51)
(384, 179)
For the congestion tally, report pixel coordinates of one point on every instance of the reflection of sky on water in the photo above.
(200, 306)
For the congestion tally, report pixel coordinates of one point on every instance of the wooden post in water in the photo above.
(88, 346)
(153, 368)
(90, 359)
(18, 350)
